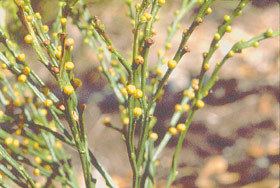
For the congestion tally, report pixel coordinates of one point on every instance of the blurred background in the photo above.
(233, 141)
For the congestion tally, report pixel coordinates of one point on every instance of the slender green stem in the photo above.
(173, 170)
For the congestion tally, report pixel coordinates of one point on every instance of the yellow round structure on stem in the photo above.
(256, 44)
(22, 78)
(38, 160)
(63, 21)
(228, 29)
(161, 2)
(45, 28)
(48, 102)
(227, 18)
(16, 143)
(178, 107)
(189, 93)
(68, 90)
(217, 36)
(171, 64)
(139, 60)
(269, 33)
(69, 66)
(8, 141)
(26, 70)
(28, 39)
(206, 66)
(131, 89)
(69, 42)
(138, 94)
(153, 136)
(137, 112)
(21, 57)
(181, 127)
(230, 54)
(209, 10)
(199, 104)
(36, 172)
(173, 131)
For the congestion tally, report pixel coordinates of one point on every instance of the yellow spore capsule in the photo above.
(58, 144)
(26, 70)
(171, 64)
(63, 21)
(195, 84)
(148, 16)
(209, 10)
(38, 16)
(269, 33)
(199, 104)
(138, 94)
(186, 107)
(36, 172)
(29, 18)
(69, 42)
(25, 141)
(69, 66)
(47, 167)
(124, 91)
(16, 143)
(256, 44)
(227, 18)
(199, 20)
(168, 46)
(153, 136)
(38, 160)
(68, 90)
(58, 54)
(172, 130)
(3, 66)
(161, 2)
(28, 39)
(48, 102)
(230, 54)
(131, 89)
(139, 60)
(21, 57)
(126, 121)
(189, 93)
(18, 132)
(9, 141)
(22, 78)
(206, 66)
(178, 108)
(143, 19)
(217, 36)
(228, 29)
(36, 145)
(181, 127)
(45, 28)
(137, 112)
(77, 82)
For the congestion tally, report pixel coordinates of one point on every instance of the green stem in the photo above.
(173, 170)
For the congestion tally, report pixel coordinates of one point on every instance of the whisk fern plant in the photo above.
(36, 123)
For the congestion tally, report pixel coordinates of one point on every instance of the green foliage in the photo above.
(36, 142)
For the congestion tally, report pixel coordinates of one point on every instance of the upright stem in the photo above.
(85, 160)
(173, 170)
(79, 135)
